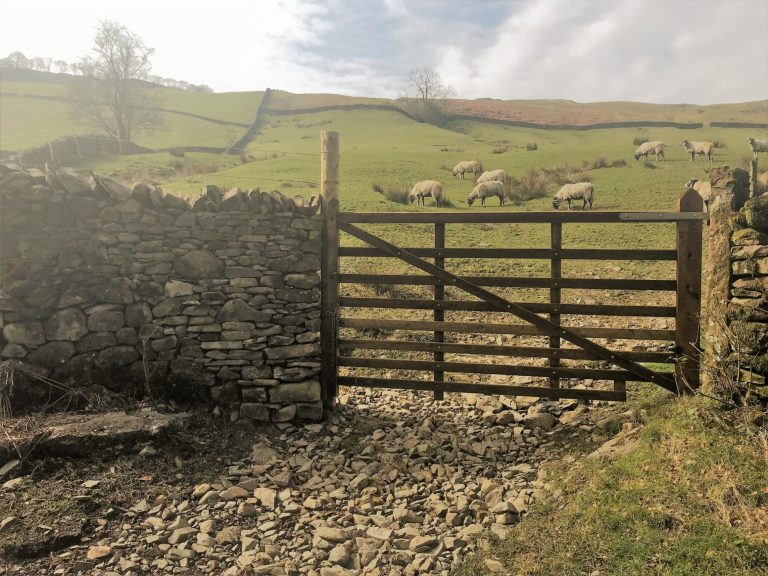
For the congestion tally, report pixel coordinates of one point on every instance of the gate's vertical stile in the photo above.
(439, 314)
(554, 294)
(620, 386)
(329, 192)
(687, 318)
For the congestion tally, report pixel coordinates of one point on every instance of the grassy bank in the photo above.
(689, 498)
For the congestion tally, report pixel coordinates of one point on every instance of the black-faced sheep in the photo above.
(471, 166)
(650, 148)
(700, 148)
(427, 189)
(485, 190)
(703, 188)
(579, 191)
(757, 146)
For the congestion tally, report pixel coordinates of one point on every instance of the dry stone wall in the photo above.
(735, 308)
(143, 291)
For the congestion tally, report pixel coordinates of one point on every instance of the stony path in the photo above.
(392, 484)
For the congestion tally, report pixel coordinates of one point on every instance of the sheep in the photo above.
(703, 188)
(485, 189)
(495, 176)
(650, 148)
(757, 146)
(473, 166)
(579, 191)
(427, 189)
(701, 148)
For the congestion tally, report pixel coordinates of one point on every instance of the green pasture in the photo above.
(33, 113)
(391, 150)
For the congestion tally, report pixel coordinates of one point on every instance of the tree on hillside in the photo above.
(17, 60)
(425, 93)
(113, 95)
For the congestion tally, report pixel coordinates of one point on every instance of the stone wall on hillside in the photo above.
(143, 291)
(71, 150)
(735, 308)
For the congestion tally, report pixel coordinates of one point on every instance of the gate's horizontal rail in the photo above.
(517, 329)
(509, 282)
(480, 368)
(539, 308)
(517, 253)
(515, 217)
(495, 350)
(491, 389)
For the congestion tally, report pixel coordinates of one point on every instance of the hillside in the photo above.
(35, 108)
(549, 112)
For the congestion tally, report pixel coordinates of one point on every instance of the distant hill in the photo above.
(547, 112)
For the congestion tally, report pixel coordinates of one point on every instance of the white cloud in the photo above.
(683, 51)
(700, 52)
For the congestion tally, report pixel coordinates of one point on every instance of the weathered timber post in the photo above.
(753, 187)
(329, 266)
(77, 147)
(555, 268)
(50, 153)
(688, 304)
(439, 314)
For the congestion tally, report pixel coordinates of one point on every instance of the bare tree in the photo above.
(17, 60)
(113, 95)
(61, 66)
(426, 88)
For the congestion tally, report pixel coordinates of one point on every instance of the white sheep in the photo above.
(495, 176)
(473, 166)
(485, 190)
(650, 148)
(703, 188)
(427, 189)
(757, 146)
(579, 191)
(700, 148)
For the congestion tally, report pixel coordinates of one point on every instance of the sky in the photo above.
(662, 51)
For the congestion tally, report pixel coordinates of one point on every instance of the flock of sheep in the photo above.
(694, 148)
(495, 183)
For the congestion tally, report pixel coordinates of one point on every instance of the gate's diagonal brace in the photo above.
(547, 327)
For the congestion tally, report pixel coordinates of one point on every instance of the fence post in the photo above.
(555, 268)
(439, 315)
(688, 304)
(753, 188)
(77, 147)
(329, 193)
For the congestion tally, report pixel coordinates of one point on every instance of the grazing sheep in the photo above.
(701, 148)
(427, 189)
(486, 189)
(579, 191)
(650, 148)
(472, 166)
(757, 146)
(703, 188)
(495, 176)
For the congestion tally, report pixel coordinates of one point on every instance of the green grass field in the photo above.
(33, 113)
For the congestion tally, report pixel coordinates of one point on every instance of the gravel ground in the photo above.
(393, 483)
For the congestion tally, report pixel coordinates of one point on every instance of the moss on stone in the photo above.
(748, 237)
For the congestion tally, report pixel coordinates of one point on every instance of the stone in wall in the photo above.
(136, 287)
(736, 306)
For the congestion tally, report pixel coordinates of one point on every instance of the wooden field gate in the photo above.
(626, 365)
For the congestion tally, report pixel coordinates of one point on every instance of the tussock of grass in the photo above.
(691, 498)
(639, 140)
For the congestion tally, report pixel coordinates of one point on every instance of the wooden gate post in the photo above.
(555, 268)
(329, 266)
(688, 304)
